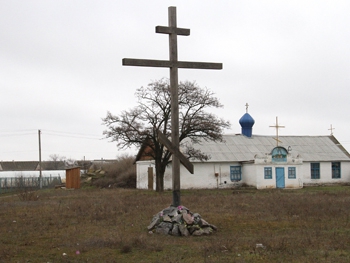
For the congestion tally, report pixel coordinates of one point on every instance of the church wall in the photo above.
(346, 171)
(262, 183)
(326, 174)
(252, 174)
(249, 174)
(142, 174)
(264, 161)
(203, 177)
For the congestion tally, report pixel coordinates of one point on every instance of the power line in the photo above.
(17, 133)
(19, 151)
(10, 131)
(73, 135)
(51, 133)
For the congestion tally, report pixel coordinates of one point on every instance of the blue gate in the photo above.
(280, 177)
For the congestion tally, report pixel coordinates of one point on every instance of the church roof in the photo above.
(240, 148)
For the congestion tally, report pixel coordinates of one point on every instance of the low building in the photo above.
(260, 161)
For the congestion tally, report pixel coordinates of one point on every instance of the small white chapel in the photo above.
(259, 161)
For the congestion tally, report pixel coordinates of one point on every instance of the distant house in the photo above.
(258, 161)
(19, 166)
(31, 166)
(32, 169)
(46, 165)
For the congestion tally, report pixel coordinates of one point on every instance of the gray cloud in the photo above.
(60, 67)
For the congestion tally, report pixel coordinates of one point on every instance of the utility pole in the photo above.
(40, 172)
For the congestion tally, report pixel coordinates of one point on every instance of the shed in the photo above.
(73, 177)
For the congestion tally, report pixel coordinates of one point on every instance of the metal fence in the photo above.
(8, 184)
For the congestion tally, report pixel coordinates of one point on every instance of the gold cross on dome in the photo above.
(246, 107)
(331, 129)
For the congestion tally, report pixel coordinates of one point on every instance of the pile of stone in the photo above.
(92, 175)
(179, 221)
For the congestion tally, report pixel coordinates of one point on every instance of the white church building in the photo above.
(259, 161)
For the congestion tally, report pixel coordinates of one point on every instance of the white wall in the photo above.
(142, 174)
(203, 177)
(263, 183)
(252, 174)
(266, 161)
(326, 173)
(249, 174)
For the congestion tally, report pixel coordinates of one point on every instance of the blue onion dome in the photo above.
(246, 121)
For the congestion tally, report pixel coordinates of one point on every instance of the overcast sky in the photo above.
(61, 67)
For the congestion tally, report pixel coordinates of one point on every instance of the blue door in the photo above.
(280, 177)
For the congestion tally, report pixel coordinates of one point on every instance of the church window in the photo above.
(291, 173)
(336, 170)
(235, 173)
(315, 170)
(268, 172)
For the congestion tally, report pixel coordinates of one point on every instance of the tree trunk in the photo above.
(160, 170)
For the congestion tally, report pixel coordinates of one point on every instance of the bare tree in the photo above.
(56, 157)
(138, 126)
(56, 161)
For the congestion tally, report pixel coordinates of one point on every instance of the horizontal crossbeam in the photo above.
(173, 30)
(175, 151)
(170, 64)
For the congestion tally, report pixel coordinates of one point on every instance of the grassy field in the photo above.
(100, 225)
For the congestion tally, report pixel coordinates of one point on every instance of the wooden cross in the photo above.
(331, 129)
(277, 127)
(172, 30)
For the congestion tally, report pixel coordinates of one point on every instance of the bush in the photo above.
(120, 173)
(27, 188)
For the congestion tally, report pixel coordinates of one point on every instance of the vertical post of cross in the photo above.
(174, 104)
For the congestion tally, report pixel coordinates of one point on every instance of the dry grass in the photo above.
(308, 225)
